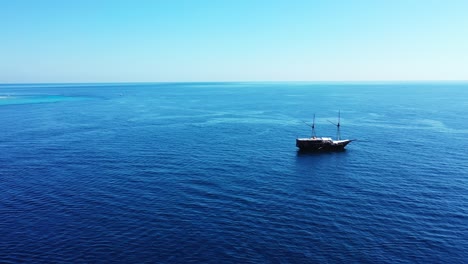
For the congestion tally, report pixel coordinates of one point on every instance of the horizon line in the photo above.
(257, 81)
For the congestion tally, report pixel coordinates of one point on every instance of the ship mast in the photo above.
(338, 132)
(313, 128)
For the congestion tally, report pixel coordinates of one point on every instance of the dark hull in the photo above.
(305, 145)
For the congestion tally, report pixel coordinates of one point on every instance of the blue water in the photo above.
(209, 173)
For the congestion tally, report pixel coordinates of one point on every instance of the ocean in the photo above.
(209, 173)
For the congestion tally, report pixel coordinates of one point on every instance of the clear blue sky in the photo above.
(232, 40)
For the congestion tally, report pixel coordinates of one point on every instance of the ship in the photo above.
(315, 143)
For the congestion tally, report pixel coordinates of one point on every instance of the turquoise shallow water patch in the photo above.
(37, 99)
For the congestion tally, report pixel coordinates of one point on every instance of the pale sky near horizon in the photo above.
(242, 40)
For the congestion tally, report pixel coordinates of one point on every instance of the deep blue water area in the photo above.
(209, 173)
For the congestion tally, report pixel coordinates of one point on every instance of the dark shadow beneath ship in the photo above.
(301, 152)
